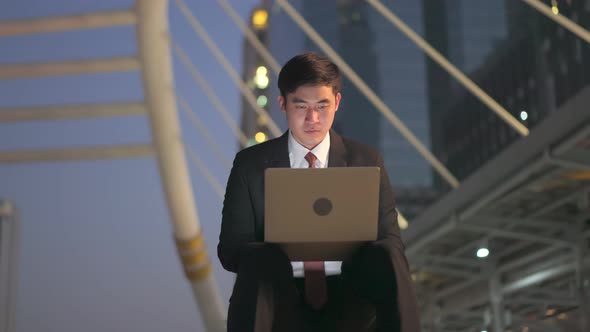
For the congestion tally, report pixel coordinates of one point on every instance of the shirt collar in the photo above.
(297, 151)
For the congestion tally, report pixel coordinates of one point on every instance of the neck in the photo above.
(309, 147)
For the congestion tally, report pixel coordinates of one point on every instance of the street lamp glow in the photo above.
(260, 18)
(524, 115)
(260, 137)
(483, 252)
(261, 81)
(261, 71)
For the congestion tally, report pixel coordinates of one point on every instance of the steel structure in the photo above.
(529, 206)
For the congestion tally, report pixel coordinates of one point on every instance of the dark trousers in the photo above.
(266, 296)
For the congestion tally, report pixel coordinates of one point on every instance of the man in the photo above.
(269, 293)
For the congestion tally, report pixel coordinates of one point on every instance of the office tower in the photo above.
(256, 73)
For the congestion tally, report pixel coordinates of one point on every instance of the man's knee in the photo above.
(264, 260)
(371, 273)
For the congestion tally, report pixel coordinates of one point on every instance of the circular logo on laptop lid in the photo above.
(322, 206)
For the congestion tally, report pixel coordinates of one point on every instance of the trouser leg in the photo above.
(371, 275)
(264, 297)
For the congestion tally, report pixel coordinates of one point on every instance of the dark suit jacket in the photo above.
(243, 209)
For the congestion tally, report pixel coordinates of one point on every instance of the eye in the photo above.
(301, 106)
(322, 107)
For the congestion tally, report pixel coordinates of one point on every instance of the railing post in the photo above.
(160, 98)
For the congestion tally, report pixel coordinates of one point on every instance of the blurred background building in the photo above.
(523, 60)
(387, 61)
(256, 72)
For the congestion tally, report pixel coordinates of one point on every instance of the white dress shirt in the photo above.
(297, 154)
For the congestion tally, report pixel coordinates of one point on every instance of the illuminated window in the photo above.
(260, 19)
(261, 71)
(261, 78)
(261, 82)
(554, 7)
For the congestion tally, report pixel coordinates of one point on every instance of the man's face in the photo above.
(310, 113)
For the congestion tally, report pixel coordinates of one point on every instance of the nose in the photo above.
(312, 115)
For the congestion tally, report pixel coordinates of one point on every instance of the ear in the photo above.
(282, 103)
(338, 97)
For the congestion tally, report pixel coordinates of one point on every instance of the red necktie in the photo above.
(315, 274)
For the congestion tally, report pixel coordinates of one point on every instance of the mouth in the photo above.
(312, 131)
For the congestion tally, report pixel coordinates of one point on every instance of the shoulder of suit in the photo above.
(259, 151)
(360, 149)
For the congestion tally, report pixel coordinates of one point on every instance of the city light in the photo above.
(260, 137)
(261, 101)
(524, 115)
(261, 79)
(261, 82)
(261, 71)
(483, 252)
(554, 8)
(260, 18)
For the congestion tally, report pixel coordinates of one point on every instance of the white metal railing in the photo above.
(46, 113)
(250, 36)
(217, 104)
(565, 22)
(77, 67)
(200, 127)
(450, 68)
(368, 93)
(72, 154)
(154, 46)
(221, 58)
(65, 23)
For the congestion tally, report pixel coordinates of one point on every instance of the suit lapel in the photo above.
(337, 154)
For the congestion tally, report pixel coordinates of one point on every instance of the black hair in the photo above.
(308, 69)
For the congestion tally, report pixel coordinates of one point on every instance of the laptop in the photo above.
(321, 213)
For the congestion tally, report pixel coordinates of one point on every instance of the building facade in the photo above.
(525, 61)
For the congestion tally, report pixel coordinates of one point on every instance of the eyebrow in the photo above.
(299, 100)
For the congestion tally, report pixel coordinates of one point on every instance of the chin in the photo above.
(310, 139)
